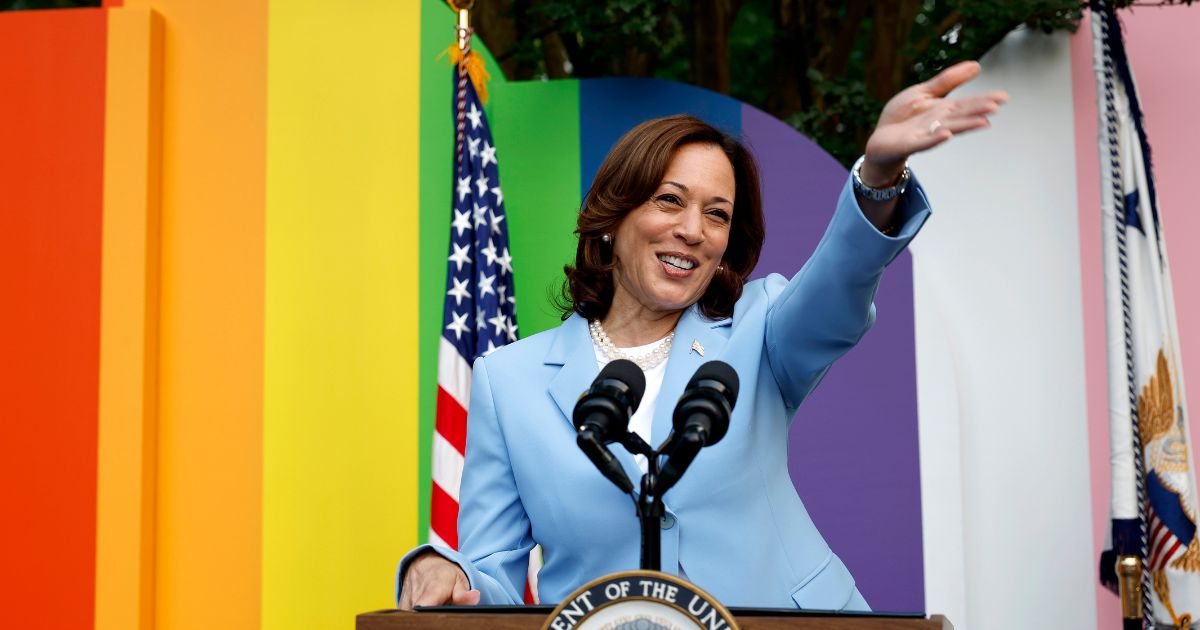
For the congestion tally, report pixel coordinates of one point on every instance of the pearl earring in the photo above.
(606, 237)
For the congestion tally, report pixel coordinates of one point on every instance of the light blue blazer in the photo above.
(734, 522)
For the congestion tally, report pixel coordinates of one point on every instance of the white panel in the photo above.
(1004, 464)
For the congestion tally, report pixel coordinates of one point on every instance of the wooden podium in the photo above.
(532, 618)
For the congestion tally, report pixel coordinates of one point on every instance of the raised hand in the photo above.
(921, 117)
(432, 580)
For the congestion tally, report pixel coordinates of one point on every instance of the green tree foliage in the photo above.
(825, 66)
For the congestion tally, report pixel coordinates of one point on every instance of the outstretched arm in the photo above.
(828, 305)
(917, 119)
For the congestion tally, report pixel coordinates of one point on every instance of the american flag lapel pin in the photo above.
(697, 347)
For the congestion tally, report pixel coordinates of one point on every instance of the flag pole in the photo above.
(1129, 573)
(463, 7)
(463, 30)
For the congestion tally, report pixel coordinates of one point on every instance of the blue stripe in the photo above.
(610, 107)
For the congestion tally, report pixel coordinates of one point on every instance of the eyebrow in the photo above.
(685, 189)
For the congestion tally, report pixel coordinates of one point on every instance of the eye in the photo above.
(719, 214)
(669, 198)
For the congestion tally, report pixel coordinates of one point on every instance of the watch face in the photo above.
(639, 600)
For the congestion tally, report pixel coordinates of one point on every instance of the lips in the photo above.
(685, 263)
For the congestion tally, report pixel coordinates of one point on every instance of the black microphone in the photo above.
(701, 419)
(602, 416)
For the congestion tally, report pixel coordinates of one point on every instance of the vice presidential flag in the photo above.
(1154, 488)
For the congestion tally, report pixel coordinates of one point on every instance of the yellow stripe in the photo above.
(209, 499)
(340, 423)
(129, 323)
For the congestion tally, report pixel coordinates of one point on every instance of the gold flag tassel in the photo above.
(460, 51)
(475, 69)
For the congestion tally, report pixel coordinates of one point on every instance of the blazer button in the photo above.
(668, 521)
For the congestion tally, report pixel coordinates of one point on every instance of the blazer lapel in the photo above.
(573, 350)
(695, 334)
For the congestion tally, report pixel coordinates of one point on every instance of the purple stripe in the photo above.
(853, 452)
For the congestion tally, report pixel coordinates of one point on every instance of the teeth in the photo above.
(675, 261)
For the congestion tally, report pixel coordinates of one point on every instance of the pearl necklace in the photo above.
(645, 361)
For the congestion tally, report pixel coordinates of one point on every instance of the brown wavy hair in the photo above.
(628, 177)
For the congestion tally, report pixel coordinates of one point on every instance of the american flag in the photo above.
(479, 313)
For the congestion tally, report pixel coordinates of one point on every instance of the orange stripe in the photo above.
(208, 552)
(51, 164)
(125, 510)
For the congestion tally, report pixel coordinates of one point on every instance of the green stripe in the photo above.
(535, 125)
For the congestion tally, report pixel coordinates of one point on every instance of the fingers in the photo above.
(957, 126)
(982, 105)
(465, 597)
(952, 77)
(463, 594)
(433, 594)
(434, 581)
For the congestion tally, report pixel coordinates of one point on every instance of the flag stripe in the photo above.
(1158, 546)
(1167, 556)
(454, 373)
(443, 516)
(447, 466)
(434, 539)
(451, 421)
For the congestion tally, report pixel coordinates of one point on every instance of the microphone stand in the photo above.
(650, 508)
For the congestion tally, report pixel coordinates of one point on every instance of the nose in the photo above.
(689, 226)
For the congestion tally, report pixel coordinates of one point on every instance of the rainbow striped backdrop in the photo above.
(224, 225)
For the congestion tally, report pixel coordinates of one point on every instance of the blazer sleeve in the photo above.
(824, 310)
(493, 529)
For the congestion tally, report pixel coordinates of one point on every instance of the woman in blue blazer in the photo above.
(668, 234)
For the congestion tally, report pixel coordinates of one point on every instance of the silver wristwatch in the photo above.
(878, 194)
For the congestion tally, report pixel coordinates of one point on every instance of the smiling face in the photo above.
(667, 249)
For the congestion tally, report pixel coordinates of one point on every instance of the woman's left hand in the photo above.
(922, 117)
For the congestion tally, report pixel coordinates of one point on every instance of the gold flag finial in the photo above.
(460, 51)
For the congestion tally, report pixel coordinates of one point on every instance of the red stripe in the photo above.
(52, 69)
(443, 516)
(528, 593)
(1155, 531)
(1155, 546)
(451, 420)
(1167, 556)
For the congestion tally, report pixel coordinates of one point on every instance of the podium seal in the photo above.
(640, 600)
